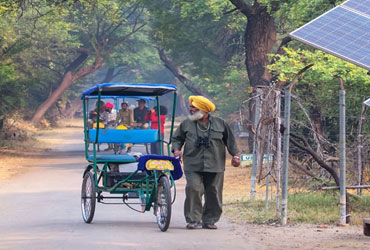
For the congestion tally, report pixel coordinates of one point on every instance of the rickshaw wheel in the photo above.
(88, 197)
(163, 203)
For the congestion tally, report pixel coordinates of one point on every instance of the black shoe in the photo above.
(128, 150)
(209, 226)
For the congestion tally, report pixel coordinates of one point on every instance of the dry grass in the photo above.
(15, 154)
(304, 206)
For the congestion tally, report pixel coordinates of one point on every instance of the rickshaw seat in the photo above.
(124, 136)
(113, 158)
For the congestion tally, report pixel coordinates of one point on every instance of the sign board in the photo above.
(367, 102)
(247, 159)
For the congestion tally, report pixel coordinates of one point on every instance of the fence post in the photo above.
(359, 148)
(268, 169)
(254, 160)
(284, 195)
(278, 153)
(342, 154)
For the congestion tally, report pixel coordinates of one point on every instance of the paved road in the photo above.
(40, 209)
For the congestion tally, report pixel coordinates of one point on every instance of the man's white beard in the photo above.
(196, 115)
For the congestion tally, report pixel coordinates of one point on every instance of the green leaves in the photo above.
(318, 89)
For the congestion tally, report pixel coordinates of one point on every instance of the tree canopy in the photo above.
(49, 50)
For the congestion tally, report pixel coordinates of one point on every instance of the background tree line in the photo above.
(51, 50)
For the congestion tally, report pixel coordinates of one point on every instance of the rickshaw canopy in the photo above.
(129, 89)
(146, 98)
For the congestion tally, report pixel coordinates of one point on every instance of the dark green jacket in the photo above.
(201, 158)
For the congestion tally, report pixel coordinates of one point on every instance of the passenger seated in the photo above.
(139, 115)
(93, 115)
(125, 116)
(152, 116)
(109, 119)
(125, 120)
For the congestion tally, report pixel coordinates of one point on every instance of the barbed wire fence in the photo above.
(305, 172)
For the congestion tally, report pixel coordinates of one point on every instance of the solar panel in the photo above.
(362, 6)
(367, 102)
(342, 32)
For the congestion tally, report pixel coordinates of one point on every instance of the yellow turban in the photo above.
(202, 103)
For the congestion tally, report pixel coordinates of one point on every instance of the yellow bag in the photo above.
(124, 128)
(101, 125)
(159, 165)
(121, 127)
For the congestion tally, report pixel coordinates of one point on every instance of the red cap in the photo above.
(109, 105)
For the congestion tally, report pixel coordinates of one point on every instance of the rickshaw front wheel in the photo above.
(163, 203)
(88, 197)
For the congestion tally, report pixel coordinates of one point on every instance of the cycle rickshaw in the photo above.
(133, 179)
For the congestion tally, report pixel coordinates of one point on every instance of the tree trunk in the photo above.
(74, 107)
(66, 82)
(260, 37)
(109, 75)
(53, 98)
(306, 147)
(182, 104)
(176, 71)
(318, 121)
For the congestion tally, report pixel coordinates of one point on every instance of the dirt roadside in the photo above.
(13, 162)
(271, 237)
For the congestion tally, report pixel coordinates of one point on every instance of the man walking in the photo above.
(204, 138)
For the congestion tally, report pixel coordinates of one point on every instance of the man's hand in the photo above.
(235, 161)
(177, 153)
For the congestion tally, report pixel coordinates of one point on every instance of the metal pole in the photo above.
(268, 170)
(342, 155)
(278, 153)
(85, 116)
(359, 149)
(160, 141)
(172, 122)
(284, 195)
(254, 161)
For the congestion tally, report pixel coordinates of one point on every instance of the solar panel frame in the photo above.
(340, 32)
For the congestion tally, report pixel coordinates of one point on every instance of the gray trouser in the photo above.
(209, 184)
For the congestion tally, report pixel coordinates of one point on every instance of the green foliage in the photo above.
(318, 89)
(12, 91)
(41, 39)
(206, 44)
(291, 14)
(203, 37)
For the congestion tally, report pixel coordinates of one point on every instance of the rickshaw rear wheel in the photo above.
(163, 203)
(88, 197)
